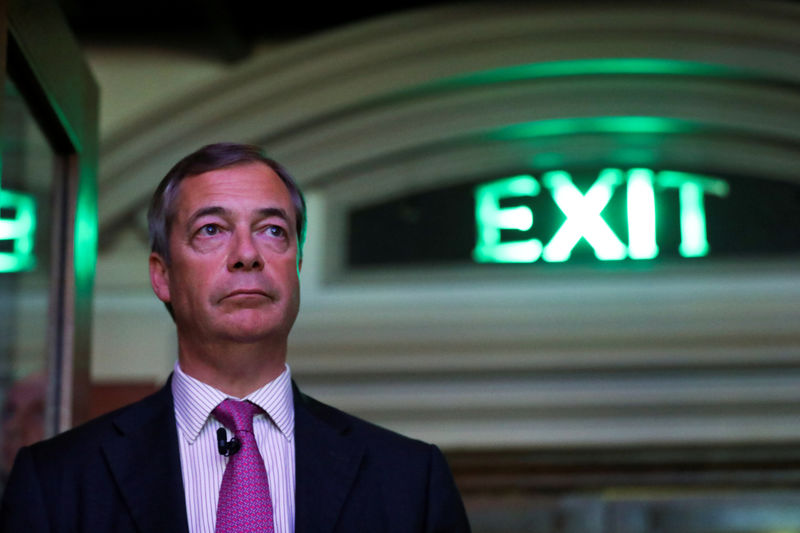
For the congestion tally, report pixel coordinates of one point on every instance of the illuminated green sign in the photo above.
(579, 216)
(17, 231)
(583, 214)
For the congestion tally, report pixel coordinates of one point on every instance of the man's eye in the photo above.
(209, 229)
(276, 231)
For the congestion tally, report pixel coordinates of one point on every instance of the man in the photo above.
(226, 227)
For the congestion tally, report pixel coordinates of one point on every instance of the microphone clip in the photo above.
(226, 447)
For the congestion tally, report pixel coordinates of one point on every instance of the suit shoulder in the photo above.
(407, 475)
(92, 433)
(358, 428)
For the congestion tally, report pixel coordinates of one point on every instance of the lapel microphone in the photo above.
(226, 447)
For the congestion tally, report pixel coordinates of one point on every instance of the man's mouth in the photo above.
(247, 293)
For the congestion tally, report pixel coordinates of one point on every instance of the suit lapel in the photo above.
(326, 464)
(145, 463)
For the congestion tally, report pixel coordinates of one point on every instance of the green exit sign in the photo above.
(579, 216)
(17, 231)
(584, 215)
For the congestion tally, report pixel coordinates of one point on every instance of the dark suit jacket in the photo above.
(121, 473)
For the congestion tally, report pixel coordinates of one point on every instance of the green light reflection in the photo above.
(599, 67)
(573, 126)
(85, 254)
(21, 230)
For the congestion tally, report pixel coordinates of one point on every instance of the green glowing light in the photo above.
(641, 215)
(85, 240)
(491, 219)
(691, 190)
(599, 67)
(572, 126)
(627, 67)
(583, 68)
(583, 216)
(693, 221)
(20, 230)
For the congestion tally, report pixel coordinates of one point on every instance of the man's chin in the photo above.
(249, 325)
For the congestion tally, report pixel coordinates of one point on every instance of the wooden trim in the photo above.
(106, 396)
(529, 472)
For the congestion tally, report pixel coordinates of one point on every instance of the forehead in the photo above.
(250, 185)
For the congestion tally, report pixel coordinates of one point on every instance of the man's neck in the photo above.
(234, 368)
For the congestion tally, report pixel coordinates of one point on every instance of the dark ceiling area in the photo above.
(224, 30)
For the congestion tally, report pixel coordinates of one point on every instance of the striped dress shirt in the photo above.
(202, 465)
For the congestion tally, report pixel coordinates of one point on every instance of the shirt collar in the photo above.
(195, 400)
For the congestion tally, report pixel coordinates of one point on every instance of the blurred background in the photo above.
(560, 240)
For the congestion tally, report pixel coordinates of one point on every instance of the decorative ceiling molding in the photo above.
(405, 84)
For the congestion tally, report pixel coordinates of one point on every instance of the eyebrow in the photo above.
(264, 212)
(267, 212)
(205, 211)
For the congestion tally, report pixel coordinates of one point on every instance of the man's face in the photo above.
(234, 265)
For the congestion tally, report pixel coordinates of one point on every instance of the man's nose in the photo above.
(245, 254)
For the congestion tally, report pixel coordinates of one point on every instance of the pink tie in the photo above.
(245, 504)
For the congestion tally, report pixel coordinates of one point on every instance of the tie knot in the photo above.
(236, 415)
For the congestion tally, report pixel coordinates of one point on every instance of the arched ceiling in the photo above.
(477, 88)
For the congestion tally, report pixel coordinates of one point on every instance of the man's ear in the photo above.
(159, 277)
